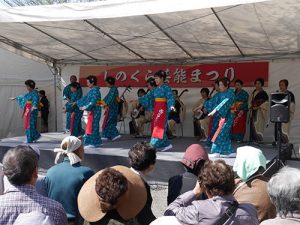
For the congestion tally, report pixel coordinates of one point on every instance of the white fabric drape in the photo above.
(108, 9)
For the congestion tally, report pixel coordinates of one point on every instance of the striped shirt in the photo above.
(25, 199)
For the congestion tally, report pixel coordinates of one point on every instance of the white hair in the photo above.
(284, 190)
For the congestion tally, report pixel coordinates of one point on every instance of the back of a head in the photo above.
(19, 165)
(142, 155)
(284, 190)
(216, 178)
(194, 158)
(33, 218)
(248, 161)
(110, 186)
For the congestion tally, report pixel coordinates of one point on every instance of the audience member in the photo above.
(20, 166)
(193, 161)
(250, 163)
(216, 180)
(1, 179)
(33, 218)
(142, 158)
(113, 193)
(284, 191)
(40, 182)
(166, 220)
(65, 179)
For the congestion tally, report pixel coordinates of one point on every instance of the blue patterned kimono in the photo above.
(209, 105)
(92, 104)
(222, 104)
(111, 100)
(33, 97)
(77, 127)
(148, 100)
(240, 120)
(67, 96)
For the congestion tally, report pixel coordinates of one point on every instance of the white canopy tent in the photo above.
(144, 31)
(116, 32)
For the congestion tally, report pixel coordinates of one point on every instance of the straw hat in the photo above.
(128, 206)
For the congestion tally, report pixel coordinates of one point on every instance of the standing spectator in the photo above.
(249, 165)
(283, 88)
(259, 105)
(142, 161)
(20, 167)
(216, 180)
(65, 179)
(284, 191)
(44, 108)
(193, 161)
(113, 193)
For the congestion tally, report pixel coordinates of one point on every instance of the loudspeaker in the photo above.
(280, 107)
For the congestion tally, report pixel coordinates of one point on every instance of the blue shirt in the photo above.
(64, 182)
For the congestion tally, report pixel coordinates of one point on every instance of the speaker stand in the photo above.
(276, 163)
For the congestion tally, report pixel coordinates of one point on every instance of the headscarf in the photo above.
(247, 162)
(72, 143)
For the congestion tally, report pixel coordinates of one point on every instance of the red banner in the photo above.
(201, 75)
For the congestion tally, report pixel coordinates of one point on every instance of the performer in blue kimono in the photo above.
(214, 120)
(162, 100)
(240, 110)
(221, 107)
(67, 96)
(76, 114)
(111, 106)
(29, 104)
(92, 104)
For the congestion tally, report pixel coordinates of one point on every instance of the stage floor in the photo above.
(114, 153)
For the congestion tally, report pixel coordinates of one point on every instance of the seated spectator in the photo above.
(216, 180)
(1, 180)
(193, 160)
(33, 218)
(284, 191)
(142, 158)
(166, 220)
(20, 167)
(115, 193)
(250, 163)
(65, 179)
(40, 182)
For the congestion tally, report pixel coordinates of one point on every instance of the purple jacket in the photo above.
(190, 211)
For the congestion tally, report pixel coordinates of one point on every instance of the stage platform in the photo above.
(116, 153)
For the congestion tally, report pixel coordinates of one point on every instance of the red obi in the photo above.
(159, 118)
(26, 114)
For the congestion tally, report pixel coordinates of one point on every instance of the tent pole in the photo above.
(55, 74)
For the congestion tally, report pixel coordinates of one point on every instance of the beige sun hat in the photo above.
(128, 205)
